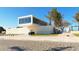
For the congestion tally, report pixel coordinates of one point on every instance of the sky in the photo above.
(9, 15)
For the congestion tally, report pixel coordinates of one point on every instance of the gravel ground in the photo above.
(28, 45)
(64, 42)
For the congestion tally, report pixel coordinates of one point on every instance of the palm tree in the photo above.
(56, 17)
(49, 17)
(77, 19)
(65, 24)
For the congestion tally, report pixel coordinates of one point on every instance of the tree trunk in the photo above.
(78, 26)
(62, 29)
(50, 22)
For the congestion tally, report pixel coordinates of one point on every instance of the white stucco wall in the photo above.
(17, 31)
(44, 30)
(67, 29)
(25, 30)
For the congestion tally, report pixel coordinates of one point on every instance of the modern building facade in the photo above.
(30, 25)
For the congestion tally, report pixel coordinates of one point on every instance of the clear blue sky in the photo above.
(8, 16)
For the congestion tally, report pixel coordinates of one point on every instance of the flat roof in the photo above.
(25, 16)
(31, 16)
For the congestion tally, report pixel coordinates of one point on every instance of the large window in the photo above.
(39, 22)
(25, 20)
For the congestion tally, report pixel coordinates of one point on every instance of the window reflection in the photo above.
(25, 20)
(39, 22)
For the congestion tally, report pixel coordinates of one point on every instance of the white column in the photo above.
(18, 21)
(31, 19)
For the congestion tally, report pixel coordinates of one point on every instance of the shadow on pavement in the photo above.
(16, 48)
(58, 48)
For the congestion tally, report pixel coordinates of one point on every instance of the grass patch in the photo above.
(76, 34)
(45, 35)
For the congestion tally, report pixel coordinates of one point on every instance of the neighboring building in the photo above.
(30, 25)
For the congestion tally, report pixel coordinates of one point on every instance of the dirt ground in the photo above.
(28, 45)
(63, 42)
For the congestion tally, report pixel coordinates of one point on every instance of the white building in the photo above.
(30, 25)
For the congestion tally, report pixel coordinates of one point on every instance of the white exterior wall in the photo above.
(41, 30)
(44, 30)
(17, 31)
